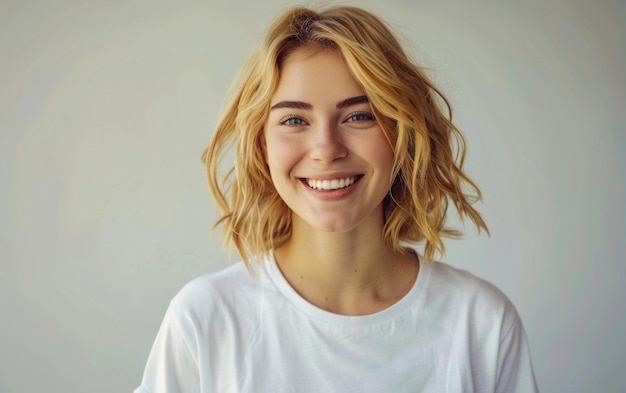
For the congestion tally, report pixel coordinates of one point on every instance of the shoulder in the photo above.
(469, 295)
(217, 298)
(481, 327)
(461, 283)
(210, 322)
(214, 284)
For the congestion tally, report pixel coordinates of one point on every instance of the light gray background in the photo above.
(105, 108)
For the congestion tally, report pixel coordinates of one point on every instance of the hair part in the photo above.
(416, 118)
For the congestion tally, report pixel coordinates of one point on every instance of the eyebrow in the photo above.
(353, 101)
(306, 106)
(291, 105)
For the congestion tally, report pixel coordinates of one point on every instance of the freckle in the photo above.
(326, 298)
(355, 270)
(301, 277)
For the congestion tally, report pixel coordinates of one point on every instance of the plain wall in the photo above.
(106, 107)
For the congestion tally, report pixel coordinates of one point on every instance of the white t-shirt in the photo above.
(230, 332)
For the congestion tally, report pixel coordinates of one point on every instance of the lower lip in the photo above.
(332, 195)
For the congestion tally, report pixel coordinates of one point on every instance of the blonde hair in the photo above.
(416, 118)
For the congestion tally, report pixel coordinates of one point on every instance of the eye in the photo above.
(359, 117)
(292, 121)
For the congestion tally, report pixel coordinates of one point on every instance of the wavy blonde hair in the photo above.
(429, 150)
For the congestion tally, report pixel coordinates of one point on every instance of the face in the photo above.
(328, 157)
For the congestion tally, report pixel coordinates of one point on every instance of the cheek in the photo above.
(280, 154)
(379, 151)
(386, 159)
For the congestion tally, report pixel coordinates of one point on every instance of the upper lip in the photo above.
(331, 176)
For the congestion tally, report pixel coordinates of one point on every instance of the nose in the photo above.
(327, 145)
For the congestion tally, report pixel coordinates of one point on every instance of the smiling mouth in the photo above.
(330, 185)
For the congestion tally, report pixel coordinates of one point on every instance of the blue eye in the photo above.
(292, 121)
(360, 116)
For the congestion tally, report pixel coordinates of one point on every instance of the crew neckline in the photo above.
(316, 313)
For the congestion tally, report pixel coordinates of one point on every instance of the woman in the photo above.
(345, 157)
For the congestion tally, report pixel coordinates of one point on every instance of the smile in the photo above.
(329, 185)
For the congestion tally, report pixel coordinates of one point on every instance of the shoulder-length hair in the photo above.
(416, 118)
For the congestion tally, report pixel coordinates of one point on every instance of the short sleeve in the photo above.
(172, 365)
(515, 371)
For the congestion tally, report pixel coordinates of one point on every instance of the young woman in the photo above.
(345, 156)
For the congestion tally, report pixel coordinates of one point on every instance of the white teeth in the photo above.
(334, 184)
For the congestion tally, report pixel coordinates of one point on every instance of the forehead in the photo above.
(316, 74)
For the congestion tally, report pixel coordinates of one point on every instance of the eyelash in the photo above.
(284, 121)
(366, 117)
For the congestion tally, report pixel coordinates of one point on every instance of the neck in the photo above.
(352, 273)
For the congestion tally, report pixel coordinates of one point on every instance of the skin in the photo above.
(322, 127)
